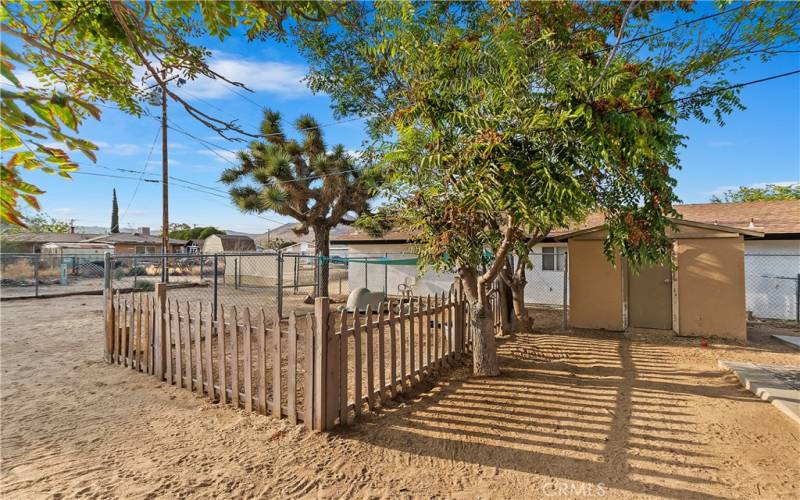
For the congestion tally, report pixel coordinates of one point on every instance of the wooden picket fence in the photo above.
(318, 369)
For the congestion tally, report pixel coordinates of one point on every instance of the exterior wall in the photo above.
(378, 277)
(130, 248)
(771, 276)
(544, 287)
(596, 287)
(710, 286)
(212, 244)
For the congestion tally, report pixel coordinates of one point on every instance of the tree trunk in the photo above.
(505, 304)
(484, 350)
(521, 322)
(322, 249)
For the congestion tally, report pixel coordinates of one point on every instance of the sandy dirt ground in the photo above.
(573, 415)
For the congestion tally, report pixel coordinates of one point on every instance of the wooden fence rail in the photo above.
(316, 369)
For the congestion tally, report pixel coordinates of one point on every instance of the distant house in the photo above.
(33, 242)
(81, 250)
(218, 243)
(139, 242)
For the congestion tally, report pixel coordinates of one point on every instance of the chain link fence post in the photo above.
(280, 284)
(797, 299)
(565, 298)
(216, 283)
(36, 260)
(385, 273)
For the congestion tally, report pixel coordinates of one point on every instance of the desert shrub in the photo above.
(137, 271)
(144, 286)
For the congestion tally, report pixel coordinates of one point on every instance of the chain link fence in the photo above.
(772, 284)
(397, 274)
(275, 282)
(44, 275)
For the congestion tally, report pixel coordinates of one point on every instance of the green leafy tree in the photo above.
(88, 50)
(114, 212)
(37, 223)
(503, 120)
(318, 187)
(193, 233)
(767, 193)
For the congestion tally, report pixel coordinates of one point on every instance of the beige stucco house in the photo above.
(703, 295)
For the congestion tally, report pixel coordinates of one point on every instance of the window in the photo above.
(553, 258)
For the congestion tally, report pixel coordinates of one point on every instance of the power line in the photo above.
(144, 169)
(713, 91)
(667, 30)
(189, 188)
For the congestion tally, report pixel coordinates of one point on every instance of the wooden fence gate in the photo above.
(320, 369)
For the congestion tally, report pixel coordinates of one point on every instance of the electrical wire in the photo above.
(144, 169)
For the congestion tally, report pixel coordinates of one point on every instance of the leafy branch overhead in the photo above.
(85, 51)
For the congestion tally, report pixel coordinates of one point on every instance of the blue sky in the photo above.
(758, 145)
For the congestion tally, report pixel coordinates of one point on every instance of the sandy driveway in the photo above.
(572, 415)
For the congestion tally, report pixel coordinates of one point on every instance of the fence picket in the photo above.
(343, 370)
(276, 367)
(223, 375)
(137, 353)
(421, 333)
(198, 350)
(308, 356)
(168, 341)
(436, 328)
(209, 353)
(392, 352)
(178, 344)
(411, 318)
(370, 360)
(381, 353)
(291, 370)
(262, 363)
(235, 357)
(430, 316)
(187, 328)
(357, 371)
(248, 362)
(118, 329)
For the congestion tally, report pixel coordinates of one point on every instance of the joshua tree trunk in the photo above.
(484, 350)
(322, 249)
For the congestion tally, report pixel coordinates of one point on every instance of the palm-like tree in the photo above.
(319, 188)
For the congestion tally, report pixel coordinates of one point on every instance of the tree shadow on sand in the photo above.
(591, 407)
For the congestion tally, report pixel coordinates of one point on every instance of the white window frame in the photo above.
(558, 256)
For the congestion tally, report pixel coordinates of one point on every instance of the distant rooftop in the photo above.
(776, 219)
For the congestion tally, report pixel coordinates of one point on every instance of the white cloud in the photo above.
(282, 79)
(120, 148)
(221, 155)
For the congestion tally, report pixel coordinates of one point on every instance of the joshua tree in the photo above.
(114, 212)
(319, 188)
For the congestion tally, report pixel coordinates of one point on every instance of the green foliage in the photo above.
(504, 120)
(144, 286)
(194, 233)
(114, 212)
(766, 193)
(37, 223)
(88, 50)
(301, 179)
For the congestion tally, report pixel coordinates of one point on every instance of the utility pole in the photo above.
(164, 181)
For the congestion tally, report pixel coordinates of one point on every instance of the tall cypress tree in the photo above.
(114, 212)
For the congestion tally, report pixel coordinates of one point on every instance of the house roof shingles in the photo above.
(773, 218)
